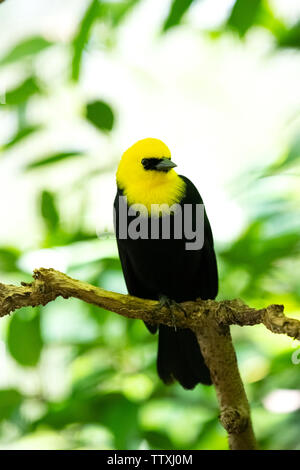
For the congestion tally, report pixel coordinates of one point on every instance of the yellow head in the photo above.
(146, 174)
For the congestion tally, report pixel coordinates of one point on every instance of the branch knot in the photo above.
(234, 420)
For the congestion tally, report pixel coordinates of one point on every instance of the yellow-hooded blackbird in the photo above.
(166, 250)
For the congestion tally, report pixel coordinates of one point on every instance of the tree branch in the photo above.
(49, 284)
(209, 319)
(219, 354)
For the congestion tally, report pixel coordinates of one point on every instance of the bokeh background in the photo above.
(80, 81)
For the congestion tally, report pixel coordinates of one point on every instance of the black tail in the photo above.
(179, 358)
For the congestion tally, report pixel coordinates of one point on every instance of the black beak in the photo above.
(165, 164)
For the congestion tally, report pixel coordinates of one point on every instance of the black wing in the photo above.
(208, 268)
(134, 284)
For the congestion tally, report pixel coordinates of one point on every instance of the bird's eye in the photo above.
(150, 163)
(146, 163)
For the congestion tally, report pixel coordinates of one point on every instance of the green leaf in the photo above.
(22, 92)
(49, 210)
(20, 135)
(10, 400)
(82, 37)
(243, 15)
(27, 48)
(177, 10)
(24, 339)
(291, 38)
(267, 19)
(8, 259)
(290, 158)
(253, 246)
(117, 11)
(293, 154)
(101, 115)
(52, 159)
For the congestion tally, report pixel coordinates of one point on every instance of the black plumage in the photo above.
(154, 267)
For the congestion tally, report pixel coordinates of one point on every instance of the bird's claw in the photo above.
(165, 301)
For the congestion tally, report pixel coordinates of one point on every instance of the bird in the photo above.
(161, 267)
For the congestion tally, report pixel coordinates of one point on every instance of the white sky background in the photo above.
(221, 106)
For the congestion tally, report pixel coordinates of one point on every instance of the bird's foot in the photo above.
(171, 305)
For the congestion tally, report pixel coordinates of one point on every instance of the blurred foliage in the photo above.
(49, 211)
(82, 37)
(290, 37)
(25, 49)
(286, 161)
(20, 135)
(22, 93)
(101, 115)
(243, 15)
(177, 10)
(87, 377)
(51, 159)
(24, 339)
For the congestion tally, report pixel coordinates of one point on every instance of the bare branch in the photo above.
(49, 284)
(219, 354)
